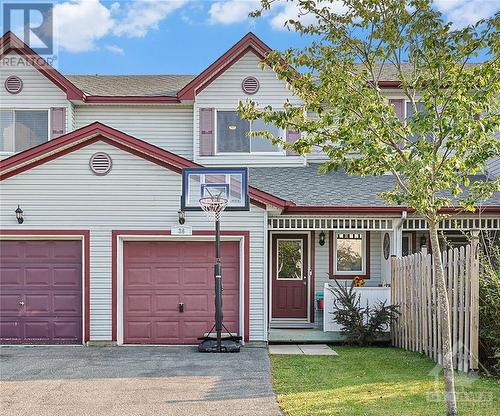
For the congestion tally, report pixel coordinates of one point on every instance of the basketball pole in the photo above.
(218, 286)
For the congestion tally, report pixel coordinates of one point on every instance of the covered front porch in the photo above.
(305, 253)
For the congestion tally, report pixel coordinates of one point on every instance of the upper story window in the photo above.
(22, 129)
(232, 134)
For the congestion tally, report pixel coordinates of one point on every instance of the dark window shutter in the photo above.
(57, 121)
(207, 136)
(291, 138)
(399, 108)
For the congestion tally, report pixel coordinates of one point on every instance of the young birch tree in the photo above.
(346, 113)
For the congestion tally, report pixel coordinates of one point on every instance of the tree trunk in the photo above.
(449, 380)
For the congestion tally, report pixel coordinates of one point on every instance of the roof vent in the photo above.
(13, 84)
(100, 163)
(250, 85)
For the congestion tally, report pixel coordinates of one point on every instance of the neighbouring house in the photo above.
(94, 163)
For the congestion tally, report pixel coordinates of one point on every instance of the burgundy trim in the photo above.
(130, 99)
(365, 275)
(87, 135)
(10, 42)
(86, 261)
(299, 209)
(151, 233)
(312, 277)
(248, 42)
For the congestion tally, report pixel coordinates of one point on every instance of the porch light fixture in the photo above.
(423, 241)
(322, 238)
(19, 215)
(182, 217)
(231, 127)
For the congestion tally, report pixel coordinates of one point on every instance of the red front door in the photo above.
(289, 275)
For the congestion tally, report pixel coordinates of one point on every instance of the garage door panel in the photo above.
(182, 273)
(10, 330)
(66, 276)
(37, 250)
(10, 276)
(37, 276)
(139, 330)
(139, 276)
(166, 303)
(46, 275)
(198, 277)
(65, 330)
(167, 276)
(197, 302)
(9, 303)
(37, 330)
(167, 331)
(139, 303)
(67, 304)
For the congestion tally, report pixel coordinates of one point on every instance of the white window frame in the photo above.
(279, 152)
(409, 236)
(13, 110)
(301, 259)
(363, 254)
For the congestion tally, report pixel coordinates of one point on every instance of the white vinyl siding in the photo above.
(225, 92)
(167, 126)
(136, 194)
(38, 93)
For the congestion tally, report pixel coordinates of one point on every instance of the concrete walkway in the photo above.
(299, 349)
(167, 381)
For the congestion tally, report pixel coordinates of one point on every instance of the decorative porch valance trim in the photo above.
(330, 223)
(478, 223)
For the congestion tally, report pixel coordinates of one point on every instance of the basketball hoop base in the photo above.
(227, 346)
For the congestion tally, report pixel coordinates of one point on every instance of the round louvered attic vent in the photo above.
(250, 85)
(13, 84)
(100, 163)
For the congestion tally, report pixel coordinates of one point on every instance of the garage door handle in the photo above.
(181, 307)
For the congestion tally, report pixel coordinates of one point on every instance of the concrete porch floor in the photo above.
(302, 335)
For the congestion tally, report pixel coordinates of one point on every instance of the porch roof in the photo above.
(305, 186)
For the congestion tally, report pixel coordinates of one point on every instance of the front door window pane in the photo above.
(289, 259)
(349, 252)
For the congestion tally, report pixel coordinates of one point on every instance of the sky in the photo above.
(182, 36)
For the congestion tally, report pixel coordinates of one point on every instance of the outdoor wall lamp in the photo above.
(423, 241)
(322, 238)
(19, 215)
(182, 217)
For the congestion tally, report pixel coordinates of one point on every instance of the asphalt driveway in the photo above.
(167, 381)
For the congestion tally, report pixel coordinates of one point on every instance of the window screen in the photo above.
(20, 129)
(31, 129)
(6, 131)
(232, 133)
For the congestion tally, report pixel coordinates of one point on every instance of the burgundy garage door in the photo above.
(161, 276)
(40, 292)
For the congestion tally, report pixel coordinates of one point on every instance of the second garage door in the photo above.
(169, 290)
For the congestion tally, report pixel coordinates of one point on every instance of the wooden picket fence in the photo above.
(413, 288)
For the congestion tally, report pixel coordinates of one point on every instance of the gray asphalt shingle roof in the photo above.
(307, 187)
(131, 85)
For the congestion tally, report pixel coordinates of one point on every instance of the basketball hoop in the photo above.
(213, 205)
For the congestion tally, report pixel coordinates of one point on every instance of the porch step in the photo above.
(284, 323)
(280, 336)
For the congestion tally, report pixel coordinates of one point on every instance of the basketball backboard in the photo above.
(230, 183)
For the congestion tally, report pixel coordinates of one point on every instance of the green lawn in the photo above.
(373, 381)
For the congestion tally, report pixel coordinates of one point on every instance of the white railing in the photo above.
(372, 295)
(329, 223)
